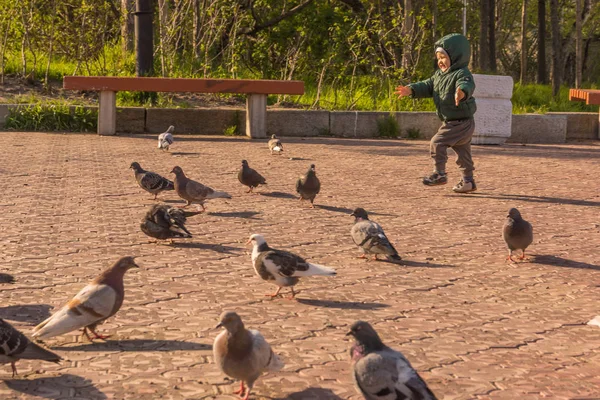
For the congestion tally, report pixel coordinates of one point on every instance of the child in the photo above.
(451, 87)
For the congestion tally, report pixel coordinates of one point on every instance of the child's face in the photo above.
(443, 61)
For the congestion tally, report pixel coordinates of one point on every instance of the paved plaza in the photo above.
(474, 326)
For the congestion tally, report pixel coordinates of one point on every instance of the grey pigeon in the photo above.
(308, 185)
(194, 192)
(281, 267)
(6, 278)
(517, 233)
(166, 139)
(165, 222)
(15, 346)
(249, 177)
(243, 354)
(149, 181)
(370, 237)
(275, 145)
(382, 373)
(99, 300)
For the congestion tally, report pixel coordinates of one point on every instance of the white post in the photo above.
(107, 113)
(256, 115)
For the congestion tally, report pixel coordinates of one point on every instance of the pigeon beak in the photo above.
(248, 242)
(219, 325)
(353, 215)
(349, 333)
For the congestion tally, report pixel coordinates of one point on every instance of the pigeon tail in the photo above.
(58, 324)
(277, 148)
(219, 195)
(394, 258)
(316, 269)
(275, 363)
(37, 352)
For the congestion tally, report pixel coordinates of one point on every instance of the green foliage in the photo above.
(388, 127)
(413, 133)
(52, 118)
(538, 99)
(234, 129)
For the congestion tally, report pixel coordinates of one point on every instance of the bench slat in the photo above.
(590, 96)
(151, 84)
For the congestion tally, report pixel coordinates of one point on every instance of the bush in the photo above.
(388, 127)
(52, 118)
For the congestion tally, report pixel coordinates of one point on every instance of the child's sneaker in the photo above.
(435, 179)
(465, 187)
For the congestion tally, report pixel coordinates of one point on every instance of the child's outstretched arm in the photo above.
(417, 89)
(465, 85)
(402, 91)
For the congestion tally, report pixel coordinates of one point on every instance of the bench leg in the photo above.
(107, 113)
(256, 116)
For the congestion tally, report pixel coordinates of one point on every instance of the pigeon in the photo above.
(249, 177)
(243, 354)
(382, 373)
(15, 346)
(370, 237)
(194, 192)
(149, 181)
(308, 186)
(282, 267)
(166, 139)
(166, 222)
(275, 145)
(6, 278)
(517, 233)
(96, 302)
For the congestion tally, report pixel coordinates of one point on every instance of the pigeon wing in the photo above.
(196, 190)
(263, 358)
(152, 182)
(284, 264)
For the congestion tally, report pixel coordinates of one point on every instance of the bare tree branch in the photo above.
(259, 27)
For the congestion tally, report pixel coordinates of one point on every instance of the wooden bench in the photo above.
(590, 96)
(256, 91)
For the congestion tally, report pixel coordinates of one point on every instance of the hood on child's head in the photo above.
(458, 48)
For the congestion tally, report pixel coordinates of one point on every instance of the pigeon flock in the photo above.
(379, 372)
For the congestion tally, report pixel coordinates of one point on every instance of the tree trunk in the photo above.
(434, 12)
(541, 56)
(556, 48)
(407, 32)
(484, 57)
(578, 44)
(523, 77)
(196, 29)
(492, 35)
(127, 25)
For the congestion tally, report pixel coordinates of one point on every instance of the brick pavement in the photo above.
(474, 326)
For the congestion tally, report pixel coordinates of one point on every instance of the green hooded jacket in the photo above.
(442, 85)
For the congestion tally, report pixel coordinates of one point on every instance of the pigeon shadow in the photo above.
(533, 199)
(426, 264)
(183, 153)
(562, 262)
(6, 278)
(235, 214)
(312, 394)
(65, 386)
(280, 195)
(174, 201)
(348, 305)
(299, 159)
(335, 209)
(137, 345)
(219, 248)
(31, 313)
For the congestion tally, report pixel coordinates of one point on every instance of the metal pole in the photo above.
(464, 18)
(143, 38)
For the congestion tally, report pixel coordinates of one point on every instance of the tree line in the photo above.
(343, 43)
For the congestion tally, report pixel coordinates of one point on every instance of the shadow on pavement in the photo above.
(426, 264)
(207, 246)
(182, 153)
(235, 214)
(354, 305)
(334, 209)
(137, 345)
(32, 313)
(59, 387)
(561, 262)
(279, 195)
(6, 278)
(533, 199)
(312, 393)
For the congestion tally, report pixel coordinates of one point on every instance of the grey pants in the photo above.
(457, 135)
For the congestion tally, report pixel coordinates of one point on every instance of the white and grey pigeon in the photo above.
(150, 181)
(99, 300)
(517, 233)
(282, 267)
(15, 346)
(275, 145)
(243, 354)
(380, 372)
(370, 237)
(165, 139)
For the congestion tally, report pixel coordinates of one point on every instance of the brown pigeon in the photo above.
(308, 186)
(194, 192)
(517, 233)
(243, 354)
(99, 300)
(250, 177)
(275, 145)
(165, 222)
(381, 372)
(15, 346)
